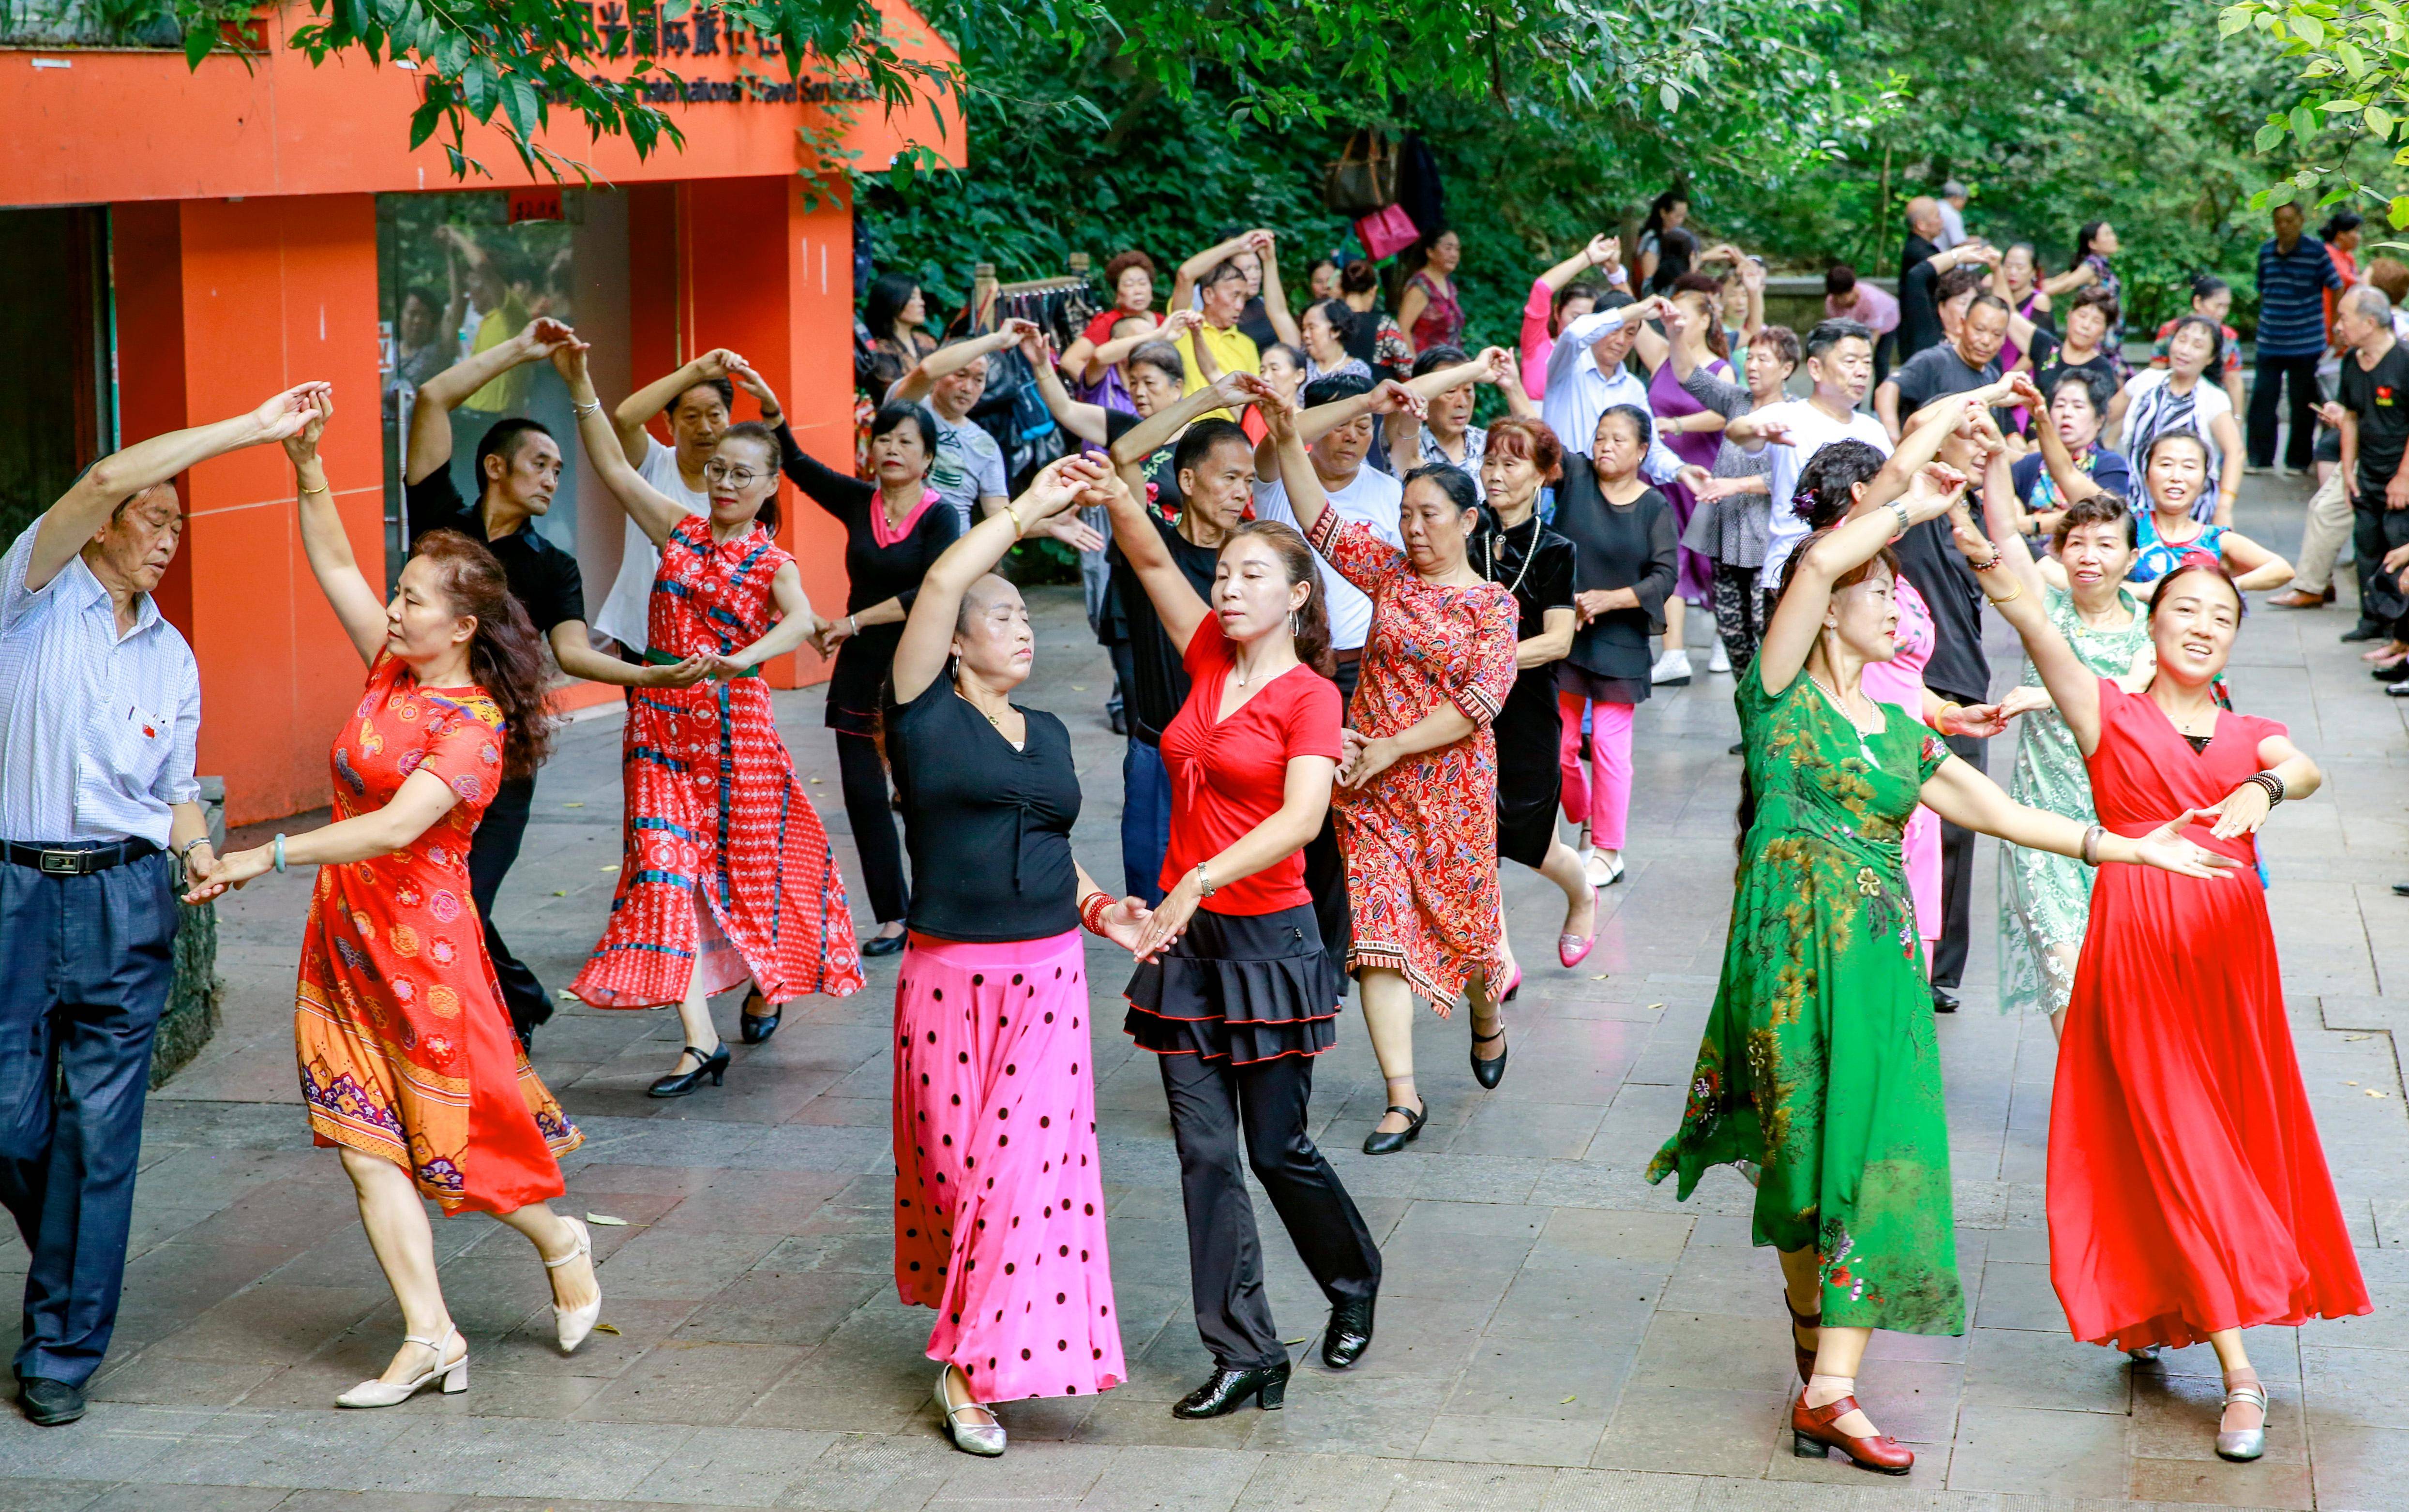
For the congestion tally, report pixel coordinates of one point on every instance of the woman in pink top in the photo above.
(1556, 300)
(1846, 297)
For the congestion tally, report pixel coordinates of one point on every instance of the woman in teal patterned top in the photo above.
(2046, 900)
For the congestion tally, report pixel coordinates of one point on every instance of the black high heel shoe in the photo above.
(758, 1026)
(883, 945)
(1377, 1143)
(1489, 1073)
(1350, 1332)
(679, 1083)
(1226, 1390)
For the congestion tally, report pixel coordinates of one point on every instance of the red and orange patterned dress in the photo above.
(1421, 839)
(715, 812)
(405, 1048)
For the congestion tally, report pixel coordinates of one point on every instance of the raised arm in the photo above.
(1583, 333)
(2003, 520)
(929, 629)
(1142, 439)
(639, 408)
(1387, 398)
(654, 512)
(2074, 485)
(1601, 251)
(1402, 424)
(76, 515)
(914, 386)
(1176, 600)
(2073, 686)
(1085, 421)
(430, 415)
(1117, 351)
(1274, 302)
(1799, 617)
(1183, 282)
(357, 605)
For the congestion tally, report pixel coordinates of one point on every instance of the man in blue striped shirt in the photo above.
(2294, 273)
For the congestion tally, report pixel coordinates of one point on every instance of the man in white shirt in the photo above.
(1953, 216)
(100, 714)
(699, 398)
(1840, 363)
(968, 471)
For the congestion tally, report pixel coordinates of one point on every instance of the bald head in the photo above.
(1923, 215)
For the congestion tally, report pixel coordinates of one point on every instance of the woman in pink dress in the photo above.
(999, 1201)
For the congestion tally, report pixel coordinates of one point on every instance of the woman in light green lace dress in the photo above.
(2046, 900)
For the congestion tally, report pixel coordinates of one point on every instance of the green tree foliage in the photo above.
(2329, 132)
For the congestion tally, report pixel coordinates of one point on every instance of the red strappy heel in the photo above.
(1812, 1435)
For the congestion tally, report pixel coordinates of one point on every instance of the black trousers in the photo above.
(2374, 531)
(1325, 868)
(1211, 1102)
(1885, 355)
(491, 855)
(866, 808)
(90, 963)
(1958, 875)
(2274, 373)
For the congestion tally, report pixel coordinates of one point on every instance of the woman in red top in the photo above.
(1233, 991)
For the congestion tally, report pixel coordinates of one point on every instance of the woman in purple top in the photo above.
(1690, 430)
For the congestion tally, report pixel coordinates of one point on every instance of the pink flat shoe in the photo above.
(1573, 949)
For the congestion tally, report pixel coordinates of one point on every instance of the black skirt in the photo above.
(856, 687)
(1240, 988)
(1529, 729)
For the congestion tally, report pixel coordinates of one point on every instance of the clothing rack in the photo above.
(1061, 306)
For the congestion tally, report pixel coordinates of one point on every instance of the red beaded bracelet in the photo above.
(1092, 909)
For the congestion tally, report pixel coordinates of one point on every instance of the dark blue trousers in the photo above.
(1145, 819)
(87, 968)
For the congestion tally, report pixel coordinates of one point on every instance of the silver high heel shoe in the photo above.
(575, 1323)
(384, 1393)
(970, 1438)
(2244, 1444)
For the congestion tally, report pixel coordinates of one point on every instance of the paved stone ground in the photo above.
(1555, 1334)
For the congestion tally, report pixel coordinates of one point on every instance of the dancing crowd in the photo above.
(1365, 649)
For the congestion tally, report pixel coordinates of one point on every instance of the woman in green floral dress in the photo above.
(1819, 1063)
(2046, 900)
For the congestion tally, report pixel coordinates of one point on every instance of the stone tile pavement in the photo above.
(1556, 1335)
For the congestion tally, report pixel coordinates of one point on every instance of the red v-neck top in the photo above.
(1228, 777)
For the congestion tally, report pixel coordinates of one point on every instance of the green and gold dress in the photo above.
(1819, 1062)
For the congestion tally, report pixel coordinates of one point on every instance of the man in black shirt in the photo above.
(1213, 469)
(519, 468)
(2372, 416)
(1919, 272)
(1968, 361)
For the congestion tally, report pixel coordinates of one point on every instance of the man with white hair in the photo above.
(2372, 416)
(1952, 215)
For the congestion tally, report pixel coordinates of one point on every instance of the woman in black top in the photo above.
(893, 531)
(1536, 565)
(1624, 564)
(996, 1184)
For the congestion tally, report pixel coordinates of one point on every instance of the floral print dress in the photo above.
(1819, 1062)
(405, 1048)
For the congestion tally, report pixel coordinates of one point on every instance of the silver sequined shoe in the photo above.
(2244, 1444)
(984, 1438)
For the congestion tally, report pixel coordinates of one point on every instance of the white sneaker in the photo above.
(1720, 661)
(1672, 669)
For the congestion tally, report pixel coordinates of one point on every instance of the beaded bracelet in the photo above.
(2268, 783)
(1093, 909)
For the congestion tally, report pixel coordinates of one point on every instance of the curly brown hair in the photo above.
(506, 657)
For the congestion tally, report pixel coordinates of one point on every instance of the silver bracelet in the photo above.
(1904, 523)
(186, 848)
(583, 410)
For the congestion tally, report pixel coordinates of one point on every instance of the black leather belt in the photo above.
(76, 860)
(1348, 658)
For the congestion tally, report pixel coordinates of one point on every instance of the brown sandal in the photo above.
(1804, 1357)
(1812, 1435)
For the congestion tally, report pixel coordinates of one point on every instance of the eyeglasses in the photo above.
(720, 472)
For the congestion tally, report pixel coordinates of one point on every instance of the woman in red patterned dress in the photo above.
(1416, 798)
(408, 1064)
(727, 873)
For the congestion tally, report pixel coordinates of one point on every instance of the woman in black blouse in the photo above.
(892, 533)
(999, 1203)
(1512, 547)
(1623, 566)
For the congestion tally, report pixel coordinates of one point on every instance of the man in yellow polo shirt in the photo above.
(1226, 349)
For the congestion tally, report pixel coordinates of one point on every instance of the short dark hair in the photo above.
(1643, 424)
(1987, 301)
(1226, 268)
(1431, 359)
(726, 390)
(505, 441)
(1831, 333)
(1838, 279)
(2216, 336)
(896, 416)
(1453, 480)
(1955, 281)
(2097, 386)
(2095, 297)
(1197, 442)
(1160, 356)
(2099, 508)
(1335, 387)
(1785, 343)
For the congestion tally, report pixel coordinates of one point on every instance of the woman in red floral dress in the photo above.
(726, 872)
(1416, 799)
(408, 1063)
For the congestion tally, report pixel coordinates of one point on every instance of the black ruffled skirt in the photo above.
(1240, 988)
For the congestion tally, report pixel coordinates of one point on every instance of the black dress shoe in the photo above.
(1350, 1332)
(1377, 1143)
(2365, 630)
(755, 1028)
(679, 1083)
(1489, 1073)
(883, 945)
(2397, 672)
(1227, 1390)
(1943, 1001)
(2400, 889)
(48, 1402)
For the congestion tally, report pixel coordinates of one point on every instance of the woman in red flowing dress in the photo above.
(726, 872)
(408, 1063)
(2188, 1195)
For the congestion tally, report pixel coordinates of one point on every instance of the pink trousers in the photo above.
(1606, 802)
